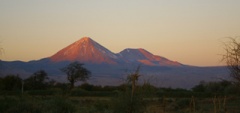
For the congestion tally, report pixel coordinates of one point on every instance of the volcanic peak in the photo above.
(85, 50)
(83, 40)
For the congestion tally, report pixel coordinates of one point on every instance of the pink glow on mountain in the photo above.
(85, 50)
(88, 51)
(147, 62)
(145, 57)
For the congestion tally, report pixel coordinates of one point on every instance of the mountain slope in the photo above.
(85, 50)
(145, 57)
(101, 62)
(102, 74)
(88, 51)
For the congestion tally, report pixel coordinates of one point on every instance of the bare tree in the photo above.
(37, 81)
(133, 78)
(232, 57)
(76, 72)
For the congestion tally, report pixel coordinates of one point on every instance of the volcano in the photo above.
(85, 50)
(107, 68)
(144, 57)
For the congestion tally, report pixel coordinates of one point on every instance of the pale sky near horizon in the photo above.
(188, 31)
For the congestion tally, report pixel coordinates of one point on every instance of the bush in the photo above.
(10, 83)
(59, 105)
(44, 92)
(26, 104)
(122, 103)
(7, 103)
(81, 92)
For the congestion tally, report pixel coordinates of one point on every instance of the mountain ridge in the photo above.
(85, 50)
(110, 68)
(88, 51)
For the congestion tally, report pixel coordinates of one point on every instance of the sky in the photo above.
(188, 31)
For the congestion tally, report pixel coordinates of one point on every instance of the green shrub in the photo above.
(122, 103)
(7, 103)
(81, 92)
(59, 105)
(26, 106)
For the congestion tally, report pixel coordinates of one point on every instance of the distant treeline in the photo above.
(40, 84)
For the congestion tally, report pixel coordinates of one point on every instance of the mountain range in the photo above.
(110, 68)
(87, 50)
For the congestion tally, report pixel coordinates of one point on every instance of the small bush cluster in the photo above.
(38, 94)
(34, 105)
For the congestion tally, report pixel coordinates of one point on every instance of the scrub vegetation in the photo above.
(38, 94)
